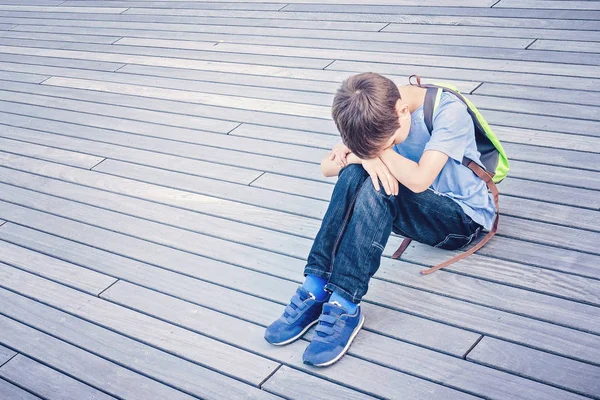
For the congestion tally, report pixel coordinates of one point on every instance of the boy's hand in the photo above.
(380, 172)
(339, 155)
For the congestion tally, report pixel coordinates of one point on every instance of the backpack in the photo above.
(493, 158)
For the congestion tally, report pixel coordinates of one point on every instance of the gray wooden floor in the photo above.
(160, 190)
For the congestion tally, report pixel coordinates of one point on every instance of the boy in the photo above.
(393, 176)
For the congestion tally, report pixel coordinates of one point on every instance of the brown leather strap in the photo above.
(402, 248)
(487, 178)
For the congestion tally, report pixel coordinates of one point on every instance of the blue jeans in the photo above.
(359, 220)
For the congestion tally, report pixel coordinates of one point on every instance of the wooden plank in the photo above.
(193, 116)
(547, 257)
(499, 76)
(116, 112)
(32, 2)
(403, 18)
(57, 9)
(59, 37)
(508, 59)
(368, 377)
(551, 193)
(49, 154)
(46, 382)
(549, 4)
(205, 205)
(131, 354)
(231, 167)
(544, 367)
(212, 99)
(178, 341)
(350, 40)
(458, 11)
(179, 4)
(559, 236)
(5, 355)
(22, 77)
(208, 226)
(162, 161)
(214, 188)
(382, 350)
(441, 3)
(552, 140)
(56, 270)
(487, 292)
(294, 384)
(497, 31)
(242, 302)
(104, 52)
(10, 391)
(86, 367)
(164, 17)
(316, 37)
(56, 61)
(538, 93)
(553, 156)
(176, 77)
(536, 107)
(556, 45)
(281, 135)
(565, 176)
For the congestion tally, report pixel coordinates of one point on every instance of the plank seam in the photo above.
(3, 222)
(104, 159)
(7, 361)
(255, 179)
(492, 6)
(43, 82)
(535, 40)
(388, 24)
(283, 7)
(122, 12)
(478, 86)
(464, 357)
(122, 37)
(106, 288)
(260, 385)
(240, 124)
(327, 66)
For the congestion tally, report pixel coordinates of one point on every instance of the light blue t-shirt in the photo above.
(454, 135)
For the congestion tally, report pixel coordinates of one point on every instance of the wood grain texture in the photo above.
(10, 391)
(181, 342)
(544, 367)
(84, 366)
(134, 355)
(46, 382)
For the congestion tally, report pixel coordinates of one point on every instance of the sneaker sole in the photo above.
(298, 336)
(356, 330)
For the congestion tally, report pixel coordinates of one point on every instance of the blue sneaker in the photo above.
(333, 336)
(299, 316)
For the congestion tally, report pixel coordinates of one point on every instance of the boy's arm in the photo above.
(415, 176)
(330, 168)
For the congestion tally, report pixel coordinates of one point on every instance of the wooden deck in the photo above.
(160, 190)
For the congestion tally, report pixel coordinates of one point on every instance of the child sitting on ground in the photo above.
(393, 176)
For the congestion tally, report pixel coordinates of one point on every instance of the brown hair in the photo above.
(364, 110)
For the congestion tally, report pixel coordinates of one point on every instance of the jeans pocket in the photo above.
(455, 242)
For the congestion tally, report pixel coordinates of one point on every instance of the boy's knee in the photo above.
(369, 197)
(352, 172)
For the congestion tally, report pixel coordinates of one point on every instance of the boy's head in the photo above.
(366, 111)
